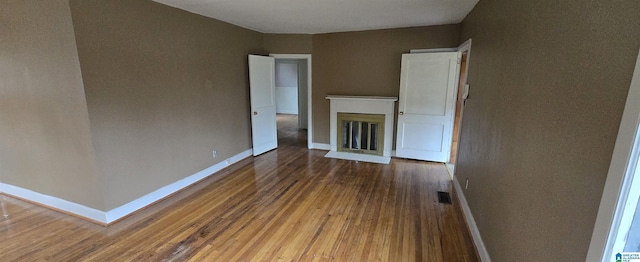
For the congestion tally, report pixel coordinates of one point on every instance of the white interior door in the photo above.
(427, 105)
(264, 133)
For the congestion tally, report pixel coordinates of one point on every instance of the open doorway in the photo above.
(292, 85)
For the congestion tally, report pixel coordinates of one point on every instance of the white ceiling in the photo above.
(323, 16)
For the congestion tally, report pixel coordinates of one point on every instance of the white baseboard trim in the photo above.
(359, 157)
(320, 146)
(148, 199)
(54, 202)
(471, 222)
(110, 216)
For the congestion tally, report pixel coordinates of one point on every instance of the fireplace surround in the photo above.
(361, 128)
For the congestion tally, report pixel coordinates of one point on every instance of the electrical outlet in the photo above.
(215, 153)
(466, 184)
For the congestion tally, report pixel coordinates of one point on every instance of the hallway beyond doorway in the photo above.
(288, 132)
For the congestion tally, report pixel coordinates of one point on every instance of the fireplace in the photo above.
(361, 133)
(362, 128)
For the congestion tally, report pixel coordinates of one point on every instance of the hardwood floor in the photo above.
(290, 204)
(288, 132)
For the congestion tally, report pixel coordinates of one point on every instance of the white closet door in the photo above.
(427, 105)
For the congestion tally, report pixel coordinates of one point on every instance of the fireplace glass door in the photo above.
(360, 133)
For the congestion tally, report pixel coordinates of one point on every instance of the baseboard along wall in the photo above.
(111, 216)
(320, 146)
(471, 223)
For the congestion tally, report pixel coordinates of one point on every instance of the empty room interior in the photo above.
(412, 130)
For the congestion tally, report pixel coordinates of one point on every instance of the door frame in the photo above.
(306, 57)
(464, 47)
(619, 183)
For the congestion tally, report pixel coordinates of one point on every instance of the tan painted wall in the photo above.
(548, 81)
(164, 88)
(288, 43)
(366, 63)
(45, 139)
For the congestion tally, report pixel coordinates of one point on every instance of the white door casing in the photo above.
(302, 94)
(264, 134)
(304, 113)
(428, 82)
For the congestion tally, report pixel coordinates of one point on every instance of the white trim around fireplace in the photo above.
(363, 105)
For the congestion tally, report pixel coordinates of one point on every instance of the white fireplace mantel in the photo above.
(363, 105)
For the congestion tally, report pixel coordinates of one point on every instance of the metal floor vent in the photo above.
(444, 197)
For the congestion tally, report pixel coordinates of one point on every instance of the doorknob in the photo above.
(401, 113)
(255, 113)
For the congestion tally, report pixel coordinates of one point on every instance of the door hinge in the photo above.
(459, 60)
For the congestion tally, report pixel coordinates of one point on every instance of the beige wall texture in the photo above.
(161, 88)
(164, 88)
(45, 139)
(288, 43)
(548, 82)
(366, 63)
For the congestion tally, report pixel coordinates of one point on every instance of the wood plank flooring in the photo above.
(290, 204)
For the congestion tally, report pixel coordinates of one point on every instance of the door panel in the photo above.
(427, 105)
(264, 134)
(420, 136)
(424, 83)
